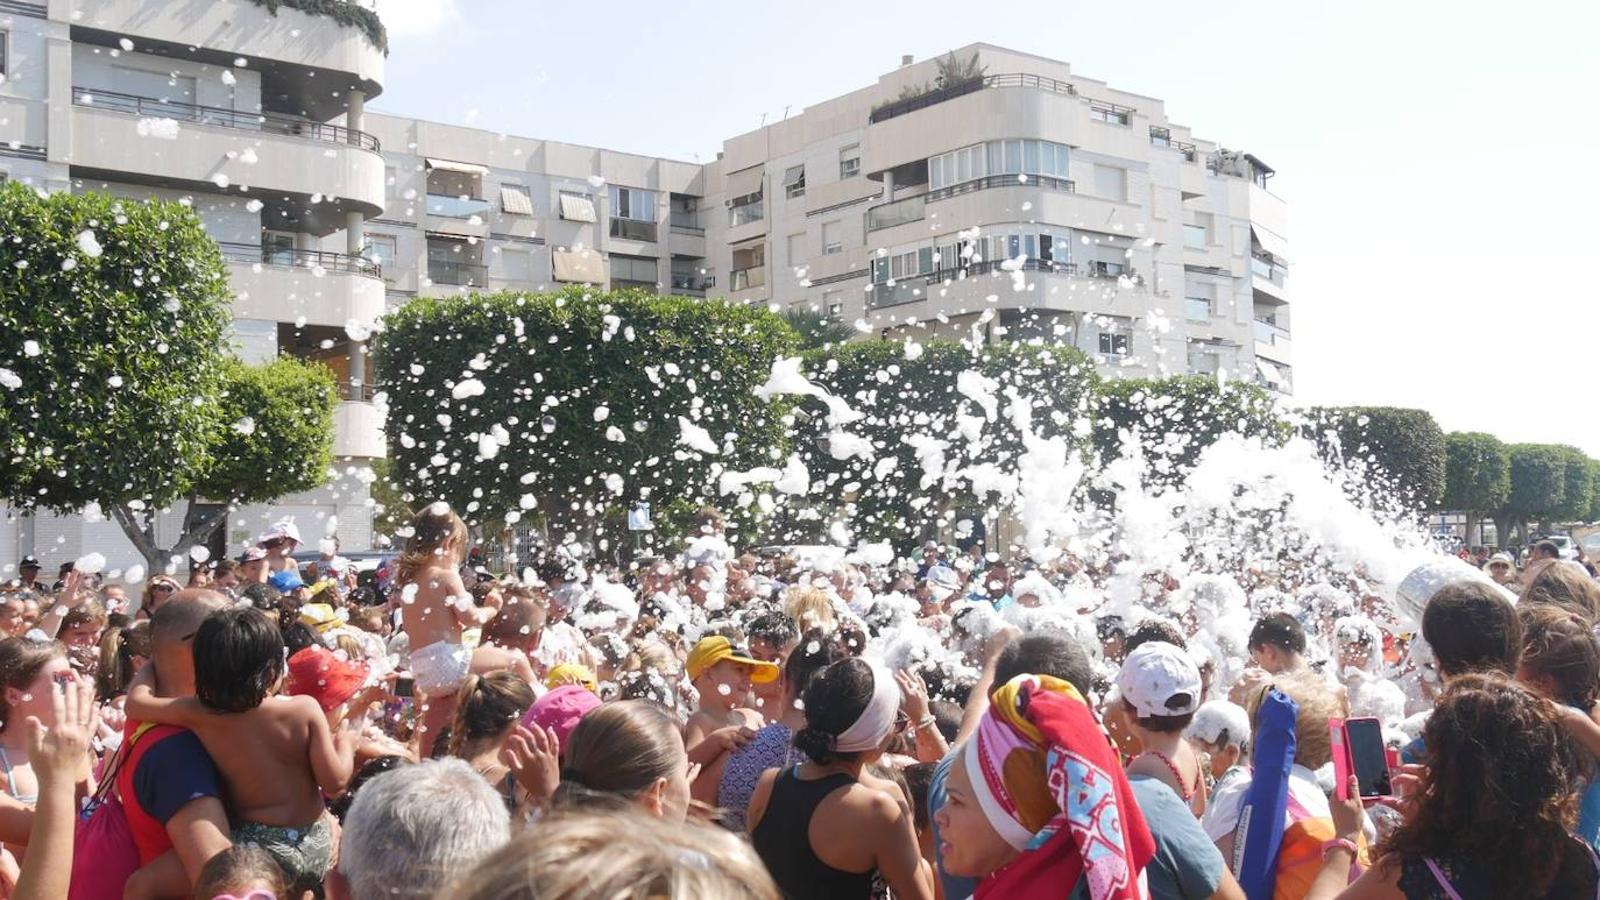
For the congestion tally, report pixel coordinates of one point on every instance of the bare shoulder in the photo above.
(751, 718)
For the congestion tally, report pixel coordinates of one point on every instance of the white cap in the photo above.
(1158, 679)
(284, 529)
(942, 581)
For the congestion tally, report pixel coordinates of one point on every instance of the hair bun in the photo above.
(816, 744)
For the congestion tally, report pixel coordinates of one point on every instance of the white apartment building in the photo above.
(1028, 203)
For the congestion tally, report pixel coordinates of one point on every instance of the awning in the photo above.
(794, 175)
(746, 182)
(514, 199)
(449, 165)
(578, 266)
(1271, 243)
(577, 209)
(1269, 372)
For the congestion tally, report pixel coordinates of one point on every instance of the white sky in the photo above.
(1436, 156)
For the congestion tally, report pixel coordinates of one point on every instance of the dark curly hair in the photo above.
(834, 699)
(1559, 645)
(1501, 790)
(238, 659)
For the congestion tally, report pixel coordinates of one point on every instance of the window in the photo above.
(1197, 309)
(514, 200)
(516, 264)
(577, 207)
(1202, 361)
(391, 180)
(832, 241)
(634, 270)
(632, 203)
(1194, 237)
(836, 312)
(795, 252)
(381, 249)
(1012, 157)
(5, 53)
(1113, 343)
(1111, 182)
(794, 182)
(850, 161)
(744, 210)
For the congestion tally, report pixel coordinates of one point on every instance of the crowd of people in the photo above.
(715, 724)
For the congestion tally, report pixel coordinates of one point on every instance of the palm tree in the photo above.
(954, 72)
(816, 329)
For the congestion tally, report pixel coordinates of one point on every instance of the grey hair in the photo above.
(413, 830)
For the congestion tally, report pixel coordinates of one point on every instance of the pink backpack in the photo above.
(104, 855)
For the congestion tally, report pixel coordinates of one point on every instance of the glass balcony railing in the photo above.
(222, 117)
(888, 215)
(633, 229)
(745, 213)
(457, 207)
(743, 279)
(692, 283)
(1267, 268)
(1270, 334)
(687, 222)
(460, 273)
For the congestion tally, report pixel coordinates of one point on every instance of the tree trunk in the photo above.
(142, 536)
(198, 527)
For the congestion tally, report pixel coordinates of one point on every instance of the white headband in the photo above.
(874, 723)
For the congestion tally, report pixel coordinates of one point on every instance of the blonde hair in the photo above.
(1318, 703)
(436, 532)
(809, 607)
(652, 656)
(575, 856)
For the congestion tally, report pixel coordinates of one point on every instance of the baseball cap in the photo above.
(1159, 679)
(1501, 558)
(712, 650)
(252, 554)
(942, 581)
(319, 673)
(286, 581)
(560, 711)
(320, 617)
(571, 673)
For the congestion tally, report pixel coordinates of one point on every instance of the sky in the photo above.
(1431, 153)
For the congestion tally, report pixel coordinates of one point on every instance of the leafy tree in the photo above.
(1577, 487)
(1398, 453)
(816, 329)
(1477, 475)
(1176, 418)
(572, 406)
(954, 71)
(927, 446)
(1538, 486)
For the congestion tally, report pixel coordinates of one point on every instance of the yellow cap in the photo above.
(712, 650)
(571, 673)
(320, 616)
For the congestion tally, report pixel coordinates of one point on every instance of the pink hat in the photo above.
(560, 710)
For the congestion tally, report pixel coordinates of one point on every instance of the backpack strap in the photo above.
(108, 778)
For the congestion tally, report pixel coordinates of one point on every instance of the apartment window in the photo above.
(1202, 361)
(381, 249)
(744, 210)
(1197, 309)
(633, 271)
(632, 203)
(1012, 157)
(391, 181)
(515, 200)
(516, 264)
(577, 206)
(832, 241)
(794, 182)
(836, 312)
(5, 53)
(1114, 343)
(1111, 182)
(1102, 269)
(850, 161)
(796, 252)
(1194, 237)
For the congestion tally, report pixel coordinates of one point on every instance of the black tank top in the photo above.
(783, 842)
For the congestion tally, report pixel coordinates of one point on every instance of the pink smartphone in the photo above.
(1367, 756)
(1341, 760)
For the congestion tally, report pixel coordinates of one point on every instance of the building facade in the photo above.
(999, 197)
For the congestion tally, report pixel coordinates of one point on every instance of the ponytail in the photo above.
(458, 724)
(486, 706)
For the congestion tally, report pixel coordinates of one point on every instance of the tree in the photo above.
(1538, 485)
(1176, 418)
(1577, 486)
(954, 71)
(112, 315)
(938, 428)
(1397, 453)
(816, 329)
(1477, 476)
(573, 406)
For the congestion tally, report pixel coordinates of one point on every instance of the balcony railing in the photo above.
(315, 260)
(457, 207)
(687, 223)
(745, 213)
(940, 95)
(1162, 137)
(273, 123)
(1270, 334)
(358, 391)
(1111, 113)
(1268, 268)
(752, 277)
(914, 288)
(989, 182)
(633, 229)
(446, 272)
(693, 283)
(899, 212)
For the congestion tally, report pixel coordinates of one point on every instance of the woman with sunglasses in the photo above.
(157, 591)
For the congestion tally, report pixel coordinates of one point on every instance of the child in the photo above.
(1221, 732)
(277, 755)
(723, 676)
(1160, 688)
(435, 603)
(243, 872)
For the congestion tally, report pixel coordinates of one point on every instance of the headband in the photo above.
(873, 725)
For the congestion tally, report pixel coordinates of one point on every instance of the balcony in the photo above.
(915, 287)
(744, 279)
(1162, 137)
(1272, 342)
(633, 229)
(188, 143)
(1264, 266)
(692, 284)
(746, 213)
(939, 95)
(687, 223)
(457, 207)
(465, 274)
(900, 212)
(990, 182)
(289, 285)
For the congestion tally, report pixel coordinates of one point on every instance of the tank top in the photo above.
(1446, 879)
(782, 840)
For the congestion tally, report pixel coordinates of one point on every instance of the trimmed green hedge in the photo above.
(341, 11)
(1178, 417)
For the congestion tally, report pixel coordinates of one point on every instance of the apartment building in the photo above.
(256, 119)
(1002, 197)
(1006, 196)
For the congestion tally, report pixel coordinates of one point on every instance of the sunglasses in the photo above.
(163, 587)
(901, 721)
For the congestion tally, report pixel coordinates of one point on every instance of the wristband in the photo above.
(926, 722)
(1339, 844)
